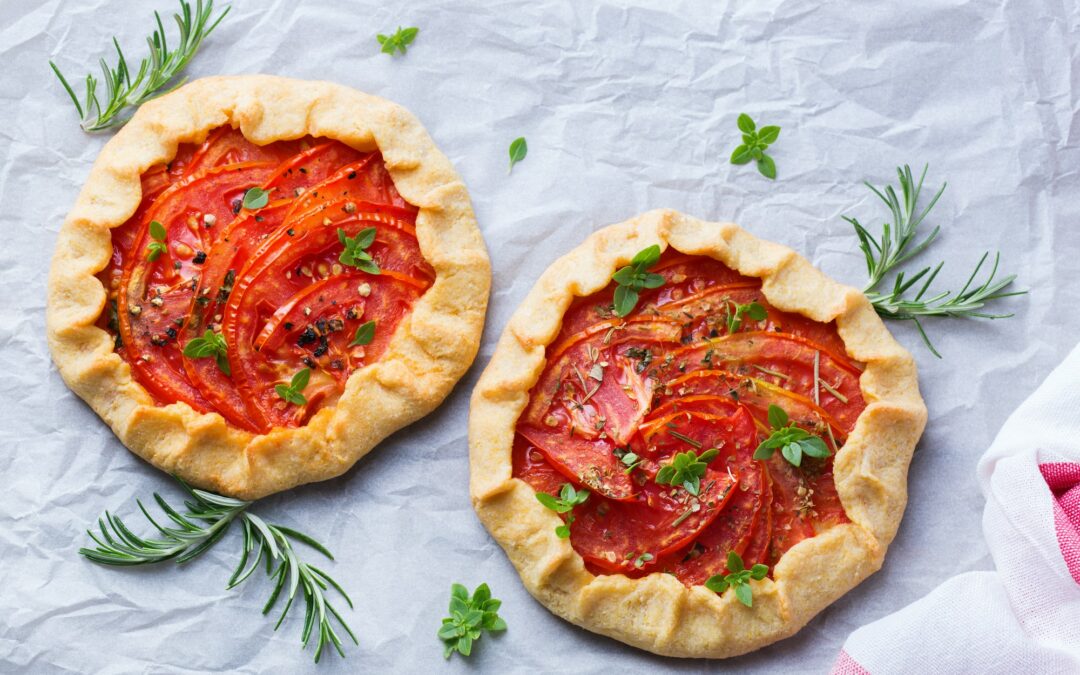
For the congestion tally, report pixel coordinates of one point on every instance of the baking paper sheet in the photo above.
(625, 108)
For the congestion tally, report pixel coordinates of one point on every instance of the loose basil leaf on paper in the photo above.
(755, 142)
(469, 617)
(518, 149)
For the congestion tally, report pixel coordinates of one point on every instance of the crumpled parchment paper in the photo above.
(625, 109)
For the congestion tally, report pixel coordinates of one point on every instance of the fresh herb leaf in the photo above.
(211, 344)
(640, 561)
(364, 334)
(793, 441)
(630, 460)
(291, 393)
(157, 244)
(566, 501)
(752, 310)
(518, 149)
(152, 76)
(355, 250)
(469, 618)
(737, 578)
(203, 524)
(399, 41)
(256, 198)
(755, 142)
(634, 278)
(896, 246)
(686, 469)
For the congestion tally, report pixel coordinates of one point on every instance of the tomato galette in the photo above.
(265, 277)
(690, 440)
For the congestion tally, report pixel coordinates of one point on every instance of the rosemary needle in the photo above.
(206, 520)
(122, 90)
(896, 246)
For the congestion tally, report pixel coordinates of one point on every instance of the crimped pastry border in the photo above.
(430, 350)
(658, 613)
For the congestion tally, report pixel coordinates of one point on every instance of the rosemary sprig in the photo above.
(896, 246)
(155, 71)
(205, 522)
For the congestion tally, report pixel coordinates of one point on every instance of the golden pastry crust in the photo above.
(658, 613)
(430, 350)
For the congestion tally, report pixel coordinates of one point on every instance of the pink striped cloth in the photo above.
(1023, 617)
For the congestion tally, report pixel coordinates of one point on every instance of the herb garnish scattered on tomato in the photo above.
(665, 396)
(250, 280)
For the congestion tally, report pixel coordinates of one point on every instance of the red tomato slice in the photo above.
(757, 549)
(156, 297)
(228, 146)
(531, 467)
(791, 518)
(590, 463)
(785, 361)
(285, 277)
(613, 536)
(756, 395)
(730, 531)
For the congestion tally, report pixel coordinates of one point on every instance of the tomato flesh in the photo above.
(267, 279)
(687, 371)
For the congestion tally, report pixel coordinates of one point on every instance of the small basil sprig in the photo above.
(157, 245)
(399, 41)
(755, 142)
(355, 253)
(566, 501)
(753, 311)
(469, 617)
(738, 578)
(291, 393)
(210, 344)
(255, 198)
(686, 469)
(364, 334)
(635, 277)
(518, 149)
(792, 441)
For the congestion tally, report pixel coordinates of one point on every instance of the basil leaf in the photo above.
(157, 230)
(777, 417)
(745, 594)
(625, 300)
(646, 257)
(256, 198)
(768, 135)
(741, 155)
(746, 125)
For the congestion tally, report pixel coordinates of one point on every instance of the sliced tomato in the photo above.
(156, 296)
(785, 361)
(790, 507)
(616, 536)
(756, 395)
(588, 463)
(730, 531)
(306, 280)
(531, 466)
(757, 548)
(228, 146)
(310, 167)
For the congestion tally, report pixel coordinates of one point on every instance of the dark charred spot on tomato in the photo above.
(171, 332)
(307, 337)
(290, 231)
(302, 170)
(202, 300)
(714, 333)
(178, 321)
(259, 219)
(159, 340)
(336, 364)
(288, 325)
(324, 346)
(352, 313)
(352, 174)
(236, 205)
(334, 325)
(200, 258)
(177, 264)
(686, 339)
(308, 361)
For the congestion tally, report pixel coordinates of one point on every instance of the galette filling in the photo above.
(253, 280)
(701, 423)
